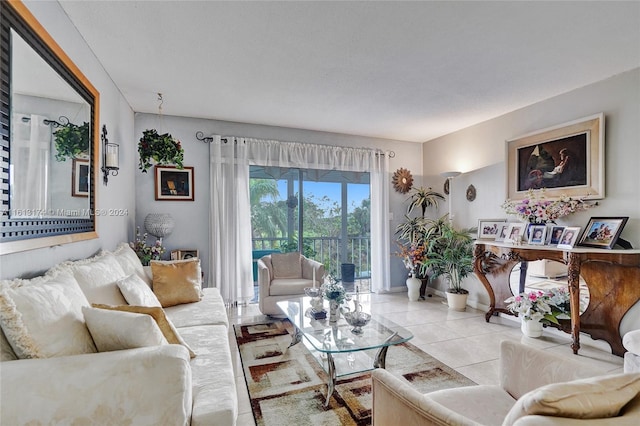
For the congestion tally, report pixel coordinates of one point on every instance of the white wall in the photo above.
(479, 152)
(118, 117)
(191, 230)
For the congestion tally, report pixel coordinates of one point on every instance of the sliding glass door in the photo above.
(330, 209)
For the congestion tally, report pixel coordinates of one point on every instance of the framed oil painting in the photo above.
(80, 178)
(603, 232)
(566, 160)
(173, 184)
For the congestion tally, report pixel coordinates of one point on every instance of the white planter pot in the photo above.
(413, 288)
(457, 301)
(531, 328)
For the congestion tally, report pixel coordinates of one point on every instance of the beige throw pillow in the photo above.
(166, 326)
(286, 265)
(97, 278)
(42, 317)
(592, 398)
(116, 330)
(137, 292)
(177, 281)
(130, 262)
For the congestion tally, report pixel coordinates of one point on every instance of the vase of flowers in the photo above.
(539, 308)
(412, 257)
(161, 149)
(335, 293)
(537, 208)
(147, 253)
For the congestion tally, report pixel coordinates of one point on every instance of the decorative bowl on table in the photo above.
(312, 291)
(357, 320)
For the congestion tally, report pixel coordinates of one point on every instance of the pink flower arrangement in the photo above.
(536, 208)
(541, 306)
(145, 252)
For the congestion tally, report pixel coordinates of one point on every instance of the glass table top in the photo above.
(338, 337)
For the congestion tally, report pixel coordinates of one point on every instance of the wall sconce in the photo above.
(450, 176)
(110, 156)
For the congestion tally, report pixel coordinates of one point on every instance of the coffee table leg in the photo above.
(332, 378)
(296, 338)
(381, 356)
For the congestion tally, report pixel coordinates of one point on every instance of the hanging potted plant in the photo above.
(162, 149)
(450, 254)
(71, 141)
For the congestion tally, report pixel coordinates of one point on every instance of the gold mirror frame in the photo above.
(26, 234)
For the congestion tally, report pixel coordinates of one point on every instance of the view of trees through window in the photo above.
(335, 223)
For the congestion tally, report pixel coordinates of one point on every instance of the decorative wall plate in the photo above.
(471, 193)
(402, 180)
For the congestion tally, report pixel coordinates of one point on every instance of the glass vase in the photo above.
(334, 311)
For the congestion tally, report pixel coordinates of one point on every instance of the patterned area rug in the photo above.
(287, 386)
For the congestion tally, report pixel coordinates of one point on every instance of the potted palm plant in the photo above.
(450, 254)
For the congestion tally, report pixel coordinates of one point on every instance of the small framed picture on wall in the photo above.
(173, 184)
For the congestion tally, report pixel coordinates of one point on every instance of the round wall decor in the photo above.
(471, 193)
(402, 180)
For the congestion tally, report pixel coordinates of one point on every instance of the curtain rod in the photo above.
(209, 139)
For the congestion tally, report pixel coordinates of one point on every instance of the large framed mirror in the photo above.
(49, 139)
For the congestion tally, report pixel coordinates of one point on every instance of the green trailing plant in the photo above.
(71, 140)
(449, 254)
(163, 149)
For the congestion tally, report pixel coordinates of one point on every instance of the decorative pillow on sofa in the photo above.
(177, 281)
(592, 398)
(286, 265)
(130, 262)
(97, 278)
(137, 292)
(42, 317)
(116, 330)
(166, 326)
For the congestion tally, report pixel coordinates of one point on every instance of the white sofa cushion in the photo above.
(209, 311)
(214, 385)
(43, 318)
(97, 278)
(289, 286)
(118, 330)
(137, 292)
(130, 262)
(631, 341)
(592, 398)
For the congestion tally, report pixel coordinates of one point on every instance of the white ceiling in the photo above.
(400, 70)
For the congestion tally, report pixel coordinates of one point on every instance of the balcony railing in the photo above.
(328, 251)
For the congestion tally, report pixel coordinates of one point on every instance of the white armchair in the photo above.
(285, 275)
(536, 388)
(631, 342)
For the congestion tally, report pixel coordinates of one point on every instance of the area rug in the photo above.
(287, 386)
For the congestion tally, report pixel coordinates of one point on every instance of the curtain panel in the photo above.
(231, 213)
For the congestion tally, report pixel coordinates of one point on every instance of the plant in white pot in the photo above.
(449, 254)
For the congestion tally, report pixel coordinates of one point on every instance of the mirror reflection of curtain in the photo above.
(30, 153)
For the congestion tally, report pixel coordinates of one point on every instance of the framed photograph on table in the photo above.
(184, 254)
(489, 229)
(173, 184)
(537, 234)
(554, 235)
(502, 231)
(603, 232)
(569, 237)
(514, 232)
(80, 178)
(567, 160)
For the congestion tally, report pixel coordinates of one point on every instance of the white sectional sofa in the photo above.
(51, 373)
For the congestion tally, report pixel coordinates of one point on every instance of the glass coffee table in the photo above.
(340, 351)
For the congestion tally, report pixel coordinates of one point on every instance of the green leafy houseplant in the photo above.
(449, 254)
(164, 149)
(71, 140)
(423, 198)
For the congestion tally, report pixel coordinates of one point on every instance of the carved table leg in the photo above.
(573, 271)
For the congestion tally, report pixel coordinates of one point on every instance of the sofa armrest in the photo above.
(523, 368)
(264, 277)
(145, 386)
(395, 402)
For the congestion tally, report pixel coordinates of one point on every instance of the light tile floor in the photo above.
(462, 340)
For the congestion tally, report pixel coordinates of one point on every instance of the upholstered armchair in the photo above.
(536, 388)
(284, 276)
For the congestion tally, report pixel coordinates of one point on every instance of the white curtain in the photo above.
(30, 164)
(232, 219)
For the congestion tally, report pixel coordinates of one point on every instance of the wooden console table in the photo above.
(612, 277)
